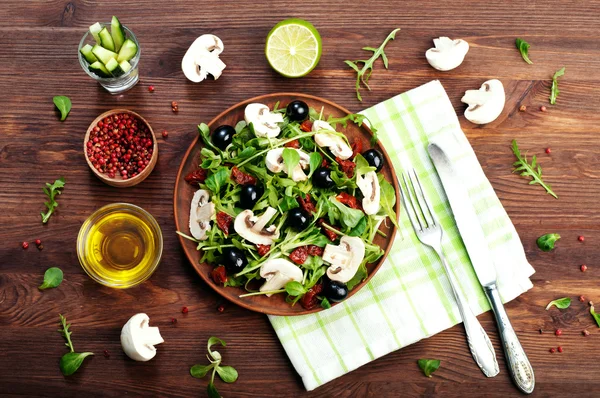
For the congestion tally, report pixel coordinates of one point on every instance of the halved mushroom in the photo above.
(138, 338)
(447, 54)
(485, 104)
(263, 120)
(274, 162)
(252, 228)
(336, 144)
(202, 58)
(278, 272)
(345, 258)
(201, 211)
(369, 186)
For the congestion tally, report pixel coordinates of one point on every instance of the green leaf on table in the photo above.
(63, 104)
(295, 289)
(227, 373)
(523, 47)
(291, 158)
(595, 315)
(315, 162)
(51, 190)
(199, 371)
(349, 217)
(217, 180)
(71, 361)
(554, 90)
(561, 303)
(546, 242)
(533, 170)
(212, 391)
(428, 366)
(52, 278)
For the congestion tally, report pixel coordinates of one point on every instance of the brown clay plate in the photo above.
(276, 304)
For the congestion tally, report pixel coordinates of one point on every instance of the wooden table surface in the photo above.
(38, 49)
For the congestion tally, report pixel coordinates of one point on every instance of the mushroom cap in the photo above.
(345, 258)
(336, 144)
(369, 186)
(252, 228)
(278, 272)
(138, 338)
(263, 120)
(202, 57)
(485, 104)
(447, 53)
(201, 211)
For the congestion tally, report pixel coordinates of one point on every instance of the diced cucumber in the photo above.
(99, 69)
(94, 30)
(113, 67)
(128, 51)
(86, 51)
(103, 54)
(117, 32)
(106, 40)
(125, 66)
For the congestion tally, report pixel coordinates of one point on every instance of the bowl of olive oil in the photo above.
(120, 245)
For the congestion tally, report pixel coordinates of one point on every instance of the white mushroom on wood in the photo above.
(447, 53)
(252, 228)
(202, 58)
(345, 258)
(485, 104)
(138, 338)
(264, 122)
(369, 186)
(274, 162)
(336, 144)
(278, 272)
(201, 212)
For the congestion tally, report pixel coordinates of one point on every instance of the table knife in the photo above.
(472, 235)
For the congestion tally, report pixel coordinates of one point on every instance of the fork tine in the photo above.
(429, 214)
(413, 203)
(405, 203)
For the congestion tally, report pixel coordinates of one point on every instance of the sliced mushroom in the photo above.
(369, 186)
(263, 120)
(252, 228)
(274, 162)
(485, 104)
(138, 338)
(345, 258)
(336, 144)
(278, 272)
(202, 58)
(201, 211)
(447, 54)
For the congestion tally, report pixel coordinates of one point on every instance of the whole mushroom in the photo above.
(485, 104)
(138, 338)
(447, 53)
(202, 58)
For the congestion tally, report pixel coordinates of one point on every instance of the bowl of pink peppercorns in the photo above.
(120, 148)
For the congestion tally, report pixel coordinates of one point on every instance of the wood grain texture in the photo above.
(38, 45)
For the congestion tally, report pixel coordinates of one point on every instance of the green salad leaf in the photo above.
(291, 158)
(523, 48)
(554, 90)
(561, 303)
(533, 170)
(217, 180)
(428, 366)
(63, 104)
(52, 278)
(387, 199)
(595, 315)
(349, 217)
(71, 361)
(51, 190)
(546, 242)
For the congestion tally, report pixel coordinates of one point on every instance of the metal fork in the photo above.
(429, 232)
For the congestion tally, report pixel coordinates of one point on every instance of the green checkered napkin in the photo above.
(409, 298)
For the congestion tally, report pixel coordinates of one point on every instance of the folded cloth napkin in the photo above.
(410, 298)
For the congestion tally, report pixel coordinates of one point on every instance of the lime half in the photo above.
(293, 47)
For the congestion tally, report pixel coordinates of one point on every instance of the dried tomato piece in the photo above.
(347, 166)
(224, 222)
(299, 255)
(314, 250)
(357, 147)
(242, 178)
(310, 300)
(306, 126)
(263, 249)
(348, 200)
(219, 275)
(324, 163)
(293, 144)
(195, 177)
(306, 204)
(327, 232)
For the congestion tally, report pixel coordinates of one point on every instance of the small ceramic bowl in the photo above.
(118, 181)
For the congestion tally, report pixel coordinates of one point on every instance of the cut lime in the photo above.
(293, 47)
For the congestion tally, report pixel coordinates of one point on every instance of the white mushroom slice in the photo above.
(369, 186)
(274, 162)
(336, 144)
(485, 104)
(345, 258)
(201, 211)
(252, 228)
(138, 338)
(447, 54)
(202, 58)
(278, 272)
(263, 120)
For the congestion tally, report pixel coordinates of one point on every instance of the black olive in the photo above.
(297, 111)
(249, 196)
(234, 260)
(222, 136)
(334, 291)
(322, 178)
(298, 219)
(374, 158)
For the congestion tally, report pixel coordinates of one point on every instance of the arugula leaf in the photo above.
(63, 104)
(71, 361)
(554, 90)
(227, 373)
(561, 303)
(363, 74)
(291, 158)
(288, 203)
(532, 170)
(595, 315)
(348, 217)
(315, 162)
(217, 180)
(387, 199)
(546, 242)
(428, 366)
(51, 190)
(523, 47)
(52, 278)
(359, 228)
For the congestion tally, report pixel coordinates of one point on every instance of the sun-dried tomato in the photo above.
(347, 166)
(224, 222)
(324, 163)
(306, 126)
(263, 249)
(242, 178)
(348, 200)
(219, 275)
(329, 233)
(195, 177)
(310, 300)
(314, 250)
(306, 204)
(293, 144)
(299, 255)
(357, 147)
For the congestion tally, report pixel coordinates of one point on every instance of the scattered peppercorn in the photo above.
(543, 108)
(548, 151)
(552, 350)
(151, 88)
(184, 310)
(40, 247)
(38, 242)
(174, 106)
(585, 333)
(522, 108)
(581, 298)
(581, 238)
(583, 267)
(106, 354)
(560, 349)
(221, 308)
(173, 321)
(25, 245)
(558, 332)
(165, 133)
(541, 331)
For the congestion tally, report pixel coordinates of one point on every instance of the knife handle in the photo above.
(518, 364)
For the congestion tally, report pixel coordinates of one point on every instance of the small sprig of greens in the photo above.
(51, 190)
(595, 315)
(523, 47)
(227, 373)
(52, 278)
(562, 303)
(532, 170)
(71, 361)
(546, 242)
(63, 104)
(363, 74)
(554, 90)
(428, 366)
